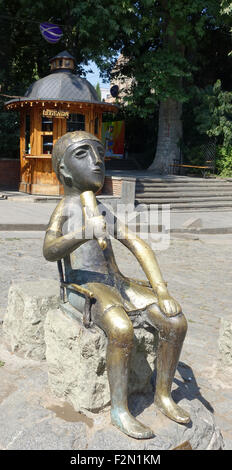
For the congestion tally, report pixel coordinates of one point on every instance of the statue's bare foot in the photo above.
(123, 420)
(168, 407)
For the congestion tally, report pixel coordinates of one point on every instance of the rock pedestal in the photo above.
(76, 359)
(201, 433)
(23, 326)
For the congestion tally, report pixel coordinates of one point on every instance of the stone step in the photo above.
(157, 189)
(192, 185)
(168, 199)
(170, 187)
(209, 204)
(184, 194)
(180, 180)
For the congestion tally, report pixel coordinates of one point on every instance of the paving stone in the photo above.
(49, 435)
(225, 342)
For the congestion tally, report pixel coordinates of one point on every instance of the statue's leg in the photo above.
(172, 331)
(119, 330)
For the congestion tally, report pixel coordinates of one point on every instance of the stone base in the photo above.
(76, 365)
(201, 433)
(23, 326)
(31, 418)
(76, 359)
(225, 343)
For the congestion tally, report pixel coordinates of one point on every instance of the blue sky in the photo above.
(94, 77)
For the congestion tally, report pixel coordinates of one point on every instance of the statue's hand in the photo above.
(168, 305)
(98, 225)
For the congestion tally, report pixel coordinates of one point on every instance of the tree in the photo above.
(161, 40)
(98, 90)
(162, 46)
(226, 9)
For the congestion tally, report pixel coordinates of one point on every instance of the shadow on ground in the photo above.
(187, 388)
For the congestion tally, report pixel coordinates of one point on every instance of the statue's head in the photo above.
(78, 161)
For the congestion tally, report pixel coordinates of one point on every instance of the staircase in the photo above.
(185, 193)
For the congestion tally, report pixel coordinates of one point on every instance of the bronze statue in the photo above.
(95, 286)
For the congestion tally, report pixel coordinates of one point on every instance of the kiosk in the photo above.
(58, 103)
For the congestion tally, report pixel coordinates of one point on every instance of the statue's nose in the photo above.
(95, 156)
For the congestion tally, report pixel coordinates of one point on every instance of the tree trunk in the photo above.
(169, 135)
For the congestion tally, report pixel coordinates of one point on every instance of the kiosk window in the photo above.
(76, 122)
(47, 124)
(96, 125)
(27, 134)
(47, 143)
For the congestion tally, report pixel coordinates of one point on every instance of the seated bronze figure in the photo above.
(91, 274)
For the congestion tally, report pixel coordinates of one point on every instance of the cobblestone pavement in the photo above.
(198, 272)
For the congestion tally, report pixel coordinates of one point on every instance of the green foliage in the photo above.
(155, 36)
(226, 10)
(193, 155)
(161, 39)
(224, 161)
(9, 134)
(213, 114)
(226, 7)
(98, 90)
(209, 116)
(160, 48)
